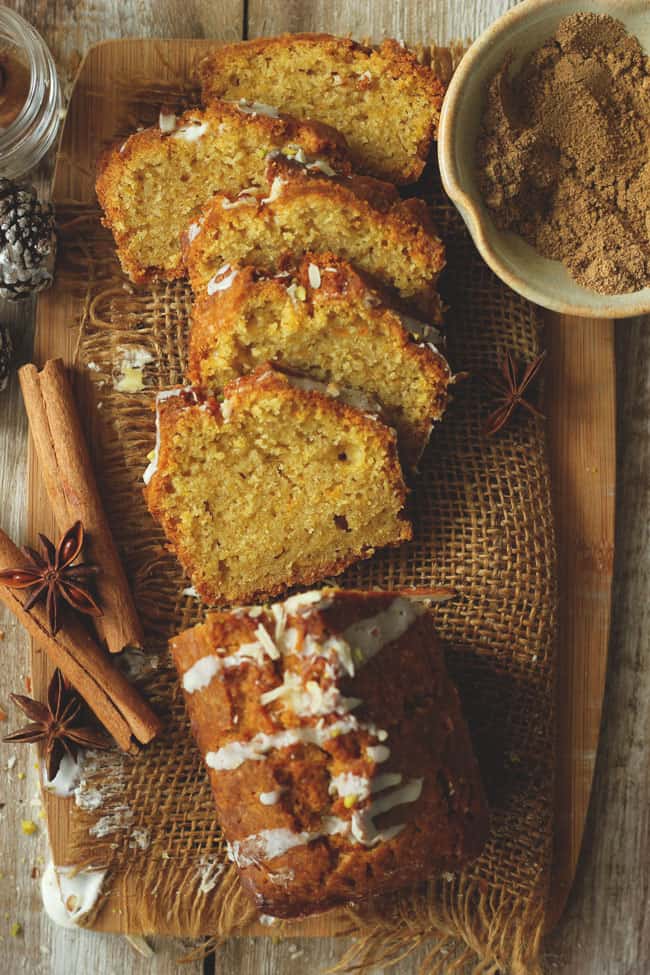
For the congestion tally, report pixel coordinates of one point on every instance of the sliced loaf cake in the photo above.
(152, 184)
(277, 485)
(361, 220)
(385, 103)
(326, 322)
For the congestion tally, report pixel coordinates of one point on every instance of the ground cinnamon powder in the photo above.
(564, 153)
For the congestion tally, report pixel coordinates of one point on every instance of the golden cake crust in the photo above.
(151, 145)
(397, 227)
(391, 64)
(180, 416)
(407, 706)
(337, 291)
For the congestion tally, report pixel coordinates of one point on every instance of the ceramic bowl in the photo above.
(519, 32)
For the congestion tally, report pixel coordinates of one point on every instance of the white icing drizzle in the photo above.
(378, 753)
(201, 673)
(193, 230)
(204, 670)
(166, 122)
(367, 637)
(67, 898)
(235, 753)
(349, 784)
(269, 844)
(304, 603)
(256, 108)
(153, 465)
(270, 798)
(221, 280)
(276, 190)
(362, 826)
(313, 272)
(192, 132)
(246, 198)
(352, 397)
(386, 781)
(298, 154)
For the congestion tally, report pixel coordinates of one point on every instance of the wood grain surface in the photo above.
(605, 929)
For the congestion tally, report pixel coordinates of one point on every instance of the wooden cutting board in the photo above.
(580, 406)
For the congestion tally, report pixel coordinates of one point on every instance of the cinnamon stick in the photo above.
(72, 489)
(115, 702)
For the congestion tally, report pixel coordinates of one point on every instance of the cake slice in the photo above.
(278, 485)
(338, 755)
(385, 103)
(363, 221)
(151, 185)
(326, 322)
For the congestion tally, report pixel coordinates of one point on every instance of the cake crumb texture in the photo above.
(150, 185)
(274, 487)
(385, 103)
(326, 322)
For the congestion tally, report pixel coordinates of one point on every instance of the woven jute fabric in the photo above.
(483, 525)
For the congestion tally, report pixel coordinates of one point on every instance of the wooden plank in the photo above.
(605, 928)
(581, 406)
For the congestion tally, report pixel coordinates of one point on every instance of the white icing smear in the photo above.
(378, 753)
(362, 825)
(349, 784)
(304, 603)
(201, 673)
(352, 397)
(367, 637)
(298, 154)
(269, 844)
(153, 465)
(221, 280)
(193, 231)
(67, 778)
(191, 133)
(256, 108)
(277, 186)
(270, 798)
(68, 898)
(166, 122)
(234, 754)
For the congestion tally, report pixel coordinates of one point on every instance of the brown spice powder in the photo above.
(564, 153)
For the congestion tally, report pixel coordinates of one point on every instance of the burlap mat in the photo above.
(483, 524)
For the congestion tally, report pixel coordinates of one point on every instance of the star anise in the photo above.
(53, 577)
(59, 723)
(511, 391)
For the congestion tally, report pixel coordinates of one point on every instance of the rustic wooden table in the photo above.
(606, 927)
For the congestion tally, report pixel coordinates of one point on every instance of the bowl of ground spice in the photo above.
(544, 147)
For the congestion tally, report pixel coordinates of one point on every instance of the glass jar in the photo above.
(27, 136)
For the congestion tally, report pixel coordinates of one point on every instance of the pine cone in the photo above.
(6, 353)
(27, 241)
